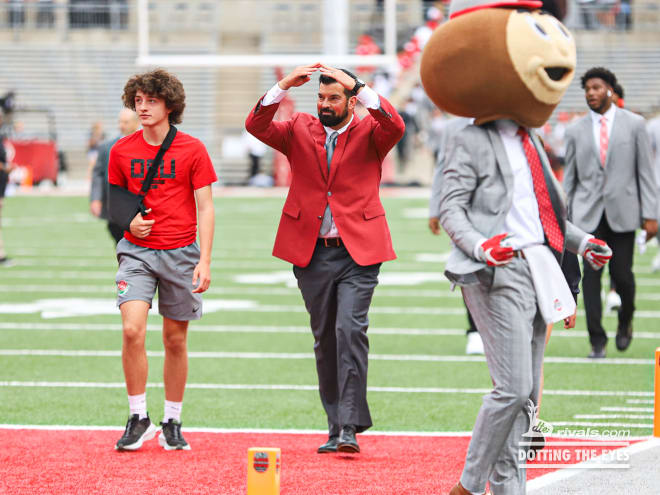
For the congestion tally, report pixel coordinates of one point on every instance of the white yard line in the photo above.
(197, 327)
(640, 401)
(305, 355)
(627, 409)
(299, 308)
(290, 387)
(613, 416)
(600, 425)
(271, 431)
(200, 327)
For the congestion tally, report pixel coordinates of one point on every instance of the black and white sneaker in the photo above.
(137, 432)
(170, 437)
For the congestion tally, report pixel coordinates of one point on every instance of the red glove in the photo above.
(495, 254)
(597, 253)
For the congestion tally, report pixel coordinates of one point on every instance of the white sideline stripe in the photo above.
(198, 327)
(308, 355)
(613, 416)
(462, 434)
(609, 425)
(563, 474)
(627, 409)
(245, 430)
(415, 390)
(640, 401)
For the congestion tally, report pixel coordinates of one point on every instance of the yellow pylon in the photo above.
(263, 471)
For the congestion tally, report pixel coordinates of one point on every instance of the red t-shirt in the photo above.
(186, 166)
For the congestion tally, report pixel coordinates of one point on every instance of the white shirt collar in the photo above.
(609, 115)
(330, 130)
(507, 127)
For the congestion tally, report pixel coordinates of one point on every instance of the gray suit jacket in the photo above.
(476, 196)
(450, 128)
(99, 189)
(624, 189)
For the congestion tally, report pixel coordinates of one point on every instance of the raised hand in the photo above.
(338, 75)
(298, 76)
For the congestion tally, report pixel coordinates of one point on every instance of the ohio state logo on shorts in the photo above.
(122, 287)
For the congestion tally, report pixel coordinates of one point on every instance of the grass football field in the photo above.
(251, 361)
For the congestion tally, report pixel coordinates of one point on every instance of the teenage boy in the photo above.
(160, 251)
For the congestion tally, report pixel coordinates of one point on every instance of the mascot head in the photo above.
(499, 59)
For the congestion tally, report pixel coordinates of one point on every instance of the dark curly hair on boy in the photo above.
(161, 84)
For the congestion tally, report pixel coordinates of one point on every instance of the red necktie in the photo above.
(604, 140)
(546, 212)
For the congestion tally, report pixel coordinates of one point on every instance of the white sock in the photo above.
(173, 411)
(138, 404)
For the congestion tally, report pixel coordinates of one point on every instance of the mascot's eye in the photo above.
(562, 29)
(537, 28)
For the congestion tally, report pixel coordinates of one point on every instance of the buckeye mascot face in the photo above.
(496, 60)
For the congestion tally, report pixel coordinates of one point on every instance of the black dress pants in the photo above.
(620, 266)
(337, 294)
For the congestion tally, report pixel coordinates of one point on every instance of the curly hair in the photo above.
(161, 84)
(601, 73)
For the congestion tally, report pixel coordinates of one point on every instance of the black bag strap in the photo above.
(151, 173)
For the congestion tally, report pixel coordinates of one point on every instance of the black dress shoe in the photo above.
(347, 442)
(329, 446)
(597, 353)
(623, 337)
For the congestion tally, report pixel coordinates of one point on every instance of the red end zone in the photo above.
(84, 462)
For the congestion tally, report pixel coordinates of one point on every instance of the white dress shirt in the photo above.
(609, 121)
(368, 97)
(333, 232)
(522, 222)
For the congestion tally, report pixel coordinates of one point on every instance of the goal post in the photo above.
(388, 58)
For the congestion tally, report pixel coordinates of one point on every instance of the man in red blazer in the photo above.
(333, 228)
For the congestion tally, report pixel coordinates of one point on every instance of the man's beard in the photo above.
(332, 119)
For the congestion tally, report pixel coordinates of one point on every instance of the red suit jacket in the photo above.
(351, 187)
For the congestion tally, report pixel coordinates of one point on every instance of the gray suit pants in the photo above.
(337, 294)
(504, 308)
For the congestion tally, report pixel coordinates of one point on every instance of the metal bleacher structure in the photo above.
(79, 71)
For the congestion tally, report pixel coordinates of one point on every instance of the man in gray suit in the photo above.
(611, 190)
(653, 130)
(127, 123)
(487, 195)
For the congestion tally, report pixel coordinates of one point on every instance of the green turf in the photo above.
(60, 252)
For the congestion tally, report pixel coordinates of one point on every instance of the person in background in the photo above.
(127, 123)
(96, 137)
(4, 179)
(653, 130)
(611, 190)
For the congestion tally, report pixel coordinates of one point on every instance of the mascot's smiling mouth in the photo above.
(556, 73)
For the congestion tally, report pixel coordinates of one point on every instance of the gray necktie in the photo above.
(330, 144)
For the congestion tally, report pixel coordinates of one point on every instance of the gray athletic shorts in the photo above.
(143, 269)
